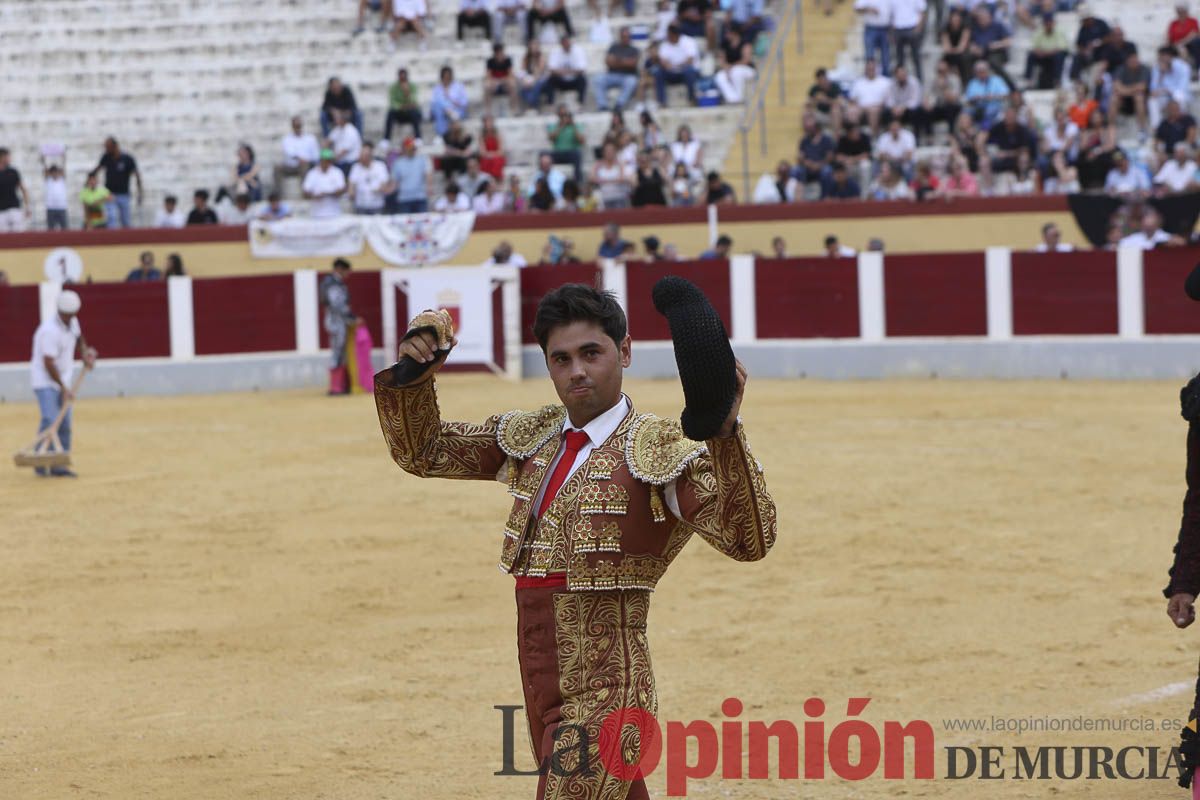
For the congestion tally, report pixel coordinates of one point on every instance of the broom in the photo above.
(47, 450)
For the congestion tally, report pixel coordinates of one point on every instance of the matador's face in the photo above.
(586, 367)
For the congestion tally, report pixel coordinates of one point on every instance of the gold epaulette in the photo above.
(657, 452)
(522, 433)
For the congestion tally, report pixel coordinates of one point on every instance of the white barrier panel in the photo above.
(182, 318)
(998, 275)
(872, 323)
(1131, 311)
(304, 284)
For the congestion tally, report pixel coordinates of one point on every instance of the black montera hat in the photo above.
(702, 353)
(1192, 284)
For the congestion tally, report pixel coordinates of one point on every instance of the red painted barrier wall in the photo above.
(1064, 293)
(537, 282)
(1167, 308)
(941, 294)
(126, 320)
(365, 289)
(19, 318)
(806, 298)
(244, 315)
(645, 323)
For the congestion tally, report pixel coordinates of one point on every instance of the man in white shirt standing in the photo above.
(370, 182)
(1151, 234)
(324, 185)
(52, 367)
(345, 140)
(300, 152)
(1178, 174)
(677, 57)
(877, 23)
(1052, 240)
(908, 28)
(870, 93)
(567, 65)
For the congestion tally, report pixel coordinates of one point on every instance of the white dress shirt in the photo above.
(875, 13)
(907, 13)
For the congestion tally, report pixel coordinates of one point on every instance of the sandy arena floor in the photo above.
(242, 597)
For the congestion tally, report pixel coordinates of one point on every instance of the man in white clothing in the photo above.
(678, 57)
(369, 182)
(300, 152)
(1151, 234)
(877, 23)
(345, 140)
(324, 185)
(170, 215)
(1052, 240)
(52, 366)
(870, 93)
(1178, 174)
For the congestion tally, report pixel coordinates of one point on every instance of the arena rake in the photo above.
(47, 449)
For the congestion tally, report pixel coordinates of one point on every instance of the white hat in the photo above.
(69, 302)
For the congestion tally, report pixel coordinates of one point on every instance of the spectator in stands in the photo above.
(1183, 34)
(503, 256)
(778, 247)
(338, 97)
(835, 249)
(612, 245)
(498, 78)
(956, 43)
(814, 158)
(732, 77)
(542, 198)
(368, 183)
(904, 101)
(1178, 174)
(965, 138)
(508, 12)
(1052, 240)
(869, 95)
(93, 196)
(413, 177)
(531, 76)
(404, 107)
(722, 249)
(474, 179)
(452, 201)
(559, 250)
(897, 146)
(566, 70)
(1025, 179)
(1097, 147)
(345, 141)
(300, 152)
(651, 135)
(118, 168)
(544, 11)
(678, 57)
(324, 185)
(1080, 111)
(244, 178)
(908, 29)
(491, 149)
(1130, 90)
(960, 182)
(174, 266)
(474, 14)
(616, 127)
(1115, 50)
(925, 185)
(1008, 140)
(985, 95)
(650, 184)
(825, 98)
(651, 245)
(457, 148)
(379, 6)
(145, 270)
(237, 213)
(877, 24)
(1047, 55)
(449, 101)
(748, 18)
(1149, 234)
(201, 213)
(274, 209)
(621, 72)
(567, 142)
(717, 191)
(489, 199)
(840, 185)
(570, 197)
(170, 215)
(409, 15)
(1170, 79)
(1093, 31)
(688, 150)
(515, 199)
(990, 42)
(1175, 127)
(694, 18)
(54, 196)
(853, 151)
(1124, 180)
(889, 184)
(1060, 148)
(546, 172)
(613, 178)
(943, 103)
(682, 195)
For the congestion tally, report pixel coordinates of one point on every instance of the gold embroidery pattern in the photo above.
(425, 446)
(736, 514)
(522, 510)
(657, 452)
(520, 434)
(604, 666)
(601, 466)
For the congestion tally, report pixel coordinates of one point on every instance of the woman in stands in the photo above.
(687, 151)
(491, 149)
(1097, 143)
(889, 184)
(458, 147)
(174, 266)
(531, 76)
(682, 194)
(964, 140)
(733, 76)
(956, 38)
(650, 186)
(614, 180)
(616, 126)
(246, 177)
(651, 136)
(1060, 150)
(542, 198)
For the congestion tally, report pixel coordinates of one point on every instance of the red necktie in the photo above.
(575, 440)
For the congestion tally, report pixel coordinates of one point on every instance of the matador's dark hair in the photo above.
(578, 302)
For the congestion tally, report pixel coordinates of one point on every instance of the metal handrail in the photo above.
(755, 106)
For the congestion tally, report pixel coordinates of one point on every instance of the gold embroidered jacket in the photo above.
(608, 527)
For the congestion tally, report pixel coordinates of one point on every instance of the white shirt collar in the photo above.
(602, 426)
